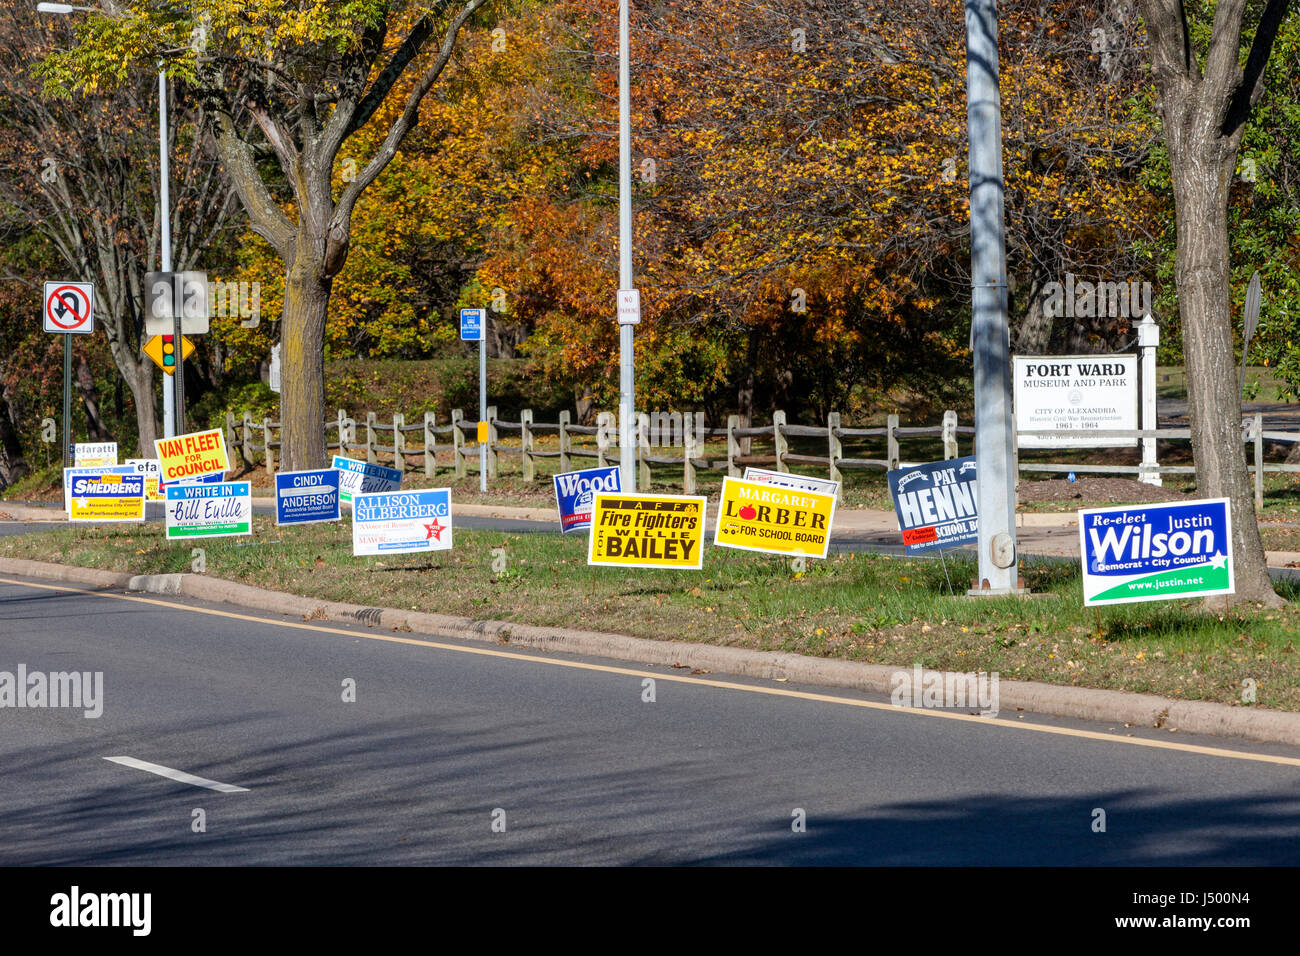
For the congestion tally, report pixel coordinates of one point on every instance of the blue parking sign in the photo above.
(471, 324)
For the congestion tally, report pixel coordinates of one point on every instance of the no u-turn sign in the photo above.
(69, 307)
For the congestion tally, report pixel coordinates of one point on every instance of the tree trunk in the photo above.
(96, 430)
(1205, 166)
(302, 365)
(13, 465)
(745, 394)
(1035, 333)
(140, 380)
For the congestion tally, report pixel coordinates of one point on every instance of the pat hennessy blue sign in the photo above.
(306, 497)
(1156, 552)
(936, 504)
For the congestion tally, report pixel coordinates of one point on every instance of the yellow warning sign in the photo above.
(756, 516)
(483, 433)
(647, 531)
(160, 349)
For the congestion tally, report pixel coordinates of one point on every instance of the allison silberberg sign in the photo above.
(1156, 552)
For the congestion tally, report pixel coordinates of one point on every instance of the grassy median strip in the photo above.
(868, 608)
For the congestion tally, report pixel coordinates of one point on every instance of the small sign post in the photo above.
(471, 330)
(69, 309)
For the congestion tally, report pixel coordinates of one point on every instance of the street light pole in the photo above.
(174, 397)
(626, 381)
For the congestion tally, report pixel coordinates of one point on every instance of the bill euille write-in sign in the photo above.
(361, 478)
(209, 511)
(936, 504)
(1159, 552)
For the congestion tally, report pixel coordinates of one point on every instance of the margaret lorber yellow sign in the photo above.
(647, 531)
(756, 516)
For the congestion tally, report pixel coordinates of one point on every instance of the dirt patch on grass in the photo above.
(1095, 492)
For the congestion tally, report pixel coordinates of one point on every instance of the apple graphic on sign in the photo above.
(747, 513)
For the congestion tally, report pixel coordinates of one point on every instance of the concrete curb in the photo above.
(1110, 706)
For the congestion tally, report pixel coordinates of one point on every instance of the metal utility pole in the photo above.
(990, 336)
(173, 398)
(626, 381)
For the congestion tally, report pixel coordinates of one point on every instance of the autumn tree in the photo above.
(422, 230)
(800, 188)
(82, 173)
(285, 88)
(1206, 93)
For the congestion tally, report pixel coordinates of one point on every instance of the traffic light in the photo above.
(169, 351)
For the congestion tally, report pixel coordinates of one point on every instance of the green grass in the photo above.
(857, 607)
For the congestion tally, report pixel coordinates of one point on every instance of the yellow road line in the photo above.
(682, 679)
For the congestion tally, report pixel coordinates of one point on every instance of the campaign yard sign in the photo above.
(647, 531)
(1157, 552)
(575, 494)
(70, 474)
(360, 478)
(94, 454)
(935, 504)
(822, 486)
(107, 497)
(152, 472)
(397, 521)
(209, 511)
(306, 497)
(757, 516)
(192, 456)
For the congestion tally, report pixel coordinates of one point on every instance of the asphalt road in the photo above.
(444, 733)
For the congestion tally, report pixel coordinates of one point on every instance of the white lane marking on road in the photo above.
(178, 775)
(538, 658)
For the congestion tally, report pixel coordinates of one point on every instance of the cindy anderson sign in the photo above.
(1076, 393)
(1156, 552)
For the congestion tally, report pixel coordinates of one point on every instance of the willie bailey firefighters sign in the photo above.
(647, 531)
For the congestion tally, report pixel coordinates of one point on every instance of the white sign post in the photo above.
(1148, 339)
(471, 330)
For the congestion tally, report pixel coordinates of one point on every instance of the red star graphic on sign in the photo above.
(435, 530)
